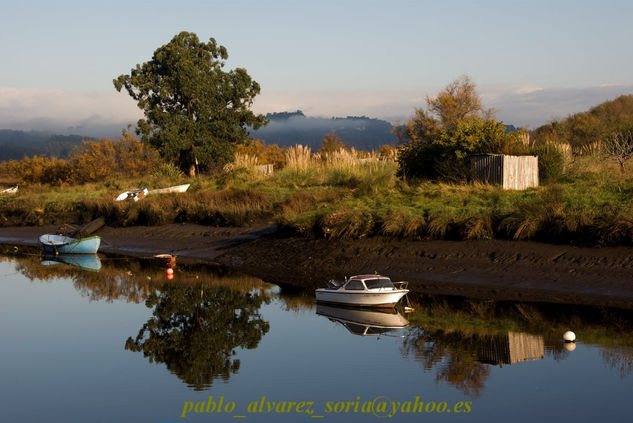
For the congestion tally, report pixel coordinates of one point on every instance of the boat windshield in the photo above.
(379, 283)
(355, 285)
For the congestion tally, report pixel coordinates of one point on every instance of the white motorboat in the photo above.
(363, 290)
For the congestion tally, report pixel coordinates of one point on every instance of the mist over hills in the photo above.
(290, 128)
(14, 145)
(284, 129)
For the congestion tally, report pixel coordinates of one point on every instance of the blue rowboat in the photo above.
(58, 244)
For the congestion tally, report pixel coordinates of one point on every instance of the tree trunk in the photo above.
(192, 170)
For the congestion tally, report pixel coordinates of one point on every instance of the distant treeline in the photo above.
(14, 145)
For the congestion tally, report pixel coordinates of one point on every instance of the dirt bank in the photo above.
(500, 270)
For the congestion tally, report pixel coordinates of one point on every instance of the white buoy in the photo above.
(569, 336)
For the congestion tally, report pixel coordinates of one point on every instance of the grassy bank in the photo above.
(342, 196)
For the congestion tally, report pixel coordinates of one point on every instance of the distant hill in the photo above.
(594, 125)
(14, 145)
(290, 128)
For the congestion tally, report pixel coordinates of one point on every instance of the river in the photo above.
(117, 341)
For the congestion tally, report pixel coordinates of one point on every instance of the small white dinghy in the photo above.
(363, 290)
(132, 195)
(12, 190)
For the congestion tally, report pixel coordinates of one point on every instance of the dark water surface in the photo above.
(125, 345)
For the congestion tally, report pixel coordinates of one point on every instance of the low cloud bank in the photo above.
(105, 114)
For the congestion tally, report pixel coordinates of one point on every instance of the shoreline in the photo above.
(496, 270)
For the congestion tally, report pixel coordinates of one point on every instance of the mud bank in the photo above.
(498, 270)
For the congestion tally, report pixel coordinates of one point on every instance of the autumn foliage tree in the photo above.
(457, 101)
(453, 125)
(92, 161)
(265, 153)
(95, 161)
(332, 143)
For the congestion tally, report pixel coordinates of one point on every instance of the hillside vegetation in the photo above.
(338, 192)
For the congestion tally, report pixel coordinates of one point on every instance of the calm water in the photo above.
(123, 345)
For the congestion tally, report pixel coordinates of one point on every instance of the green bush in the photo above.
(550, 163)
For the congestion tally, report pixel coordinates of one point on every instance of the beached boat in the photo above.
(59, 244)
(11, 190)
(132, 195)
(89, 262)
(177, 188)
(364, 322)
(363, 290)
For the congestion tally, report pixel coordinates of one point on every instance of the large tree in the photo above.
(195, 112)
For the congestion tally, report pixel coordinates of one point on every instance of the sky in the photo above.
(532, 61)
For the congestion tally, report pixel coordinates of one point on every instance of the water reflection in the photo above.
(195, 331)
(510, 348)
(451, 354)
(364, 322)
(90, 262)
(204, 316)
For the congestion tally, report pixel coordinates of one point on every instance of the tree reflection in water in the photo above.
(195, 331)
(453, 355)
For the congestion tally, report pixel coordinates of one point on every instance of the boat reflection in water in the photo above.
(364, 322)
(89, 262)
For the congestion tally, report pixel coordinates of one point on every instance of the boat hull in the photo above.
(362, 298)
(133, 195)
(175, 189)
(56, 244)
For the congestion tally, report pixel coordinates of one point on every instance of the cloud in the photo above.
(96, 113)
(534, 108)
(520, 105)
(104, 114)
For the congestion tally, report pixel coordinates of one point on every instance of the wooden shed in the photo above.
(511, 172)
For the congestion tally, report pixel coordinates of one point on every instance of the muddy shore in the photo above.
(497, 270)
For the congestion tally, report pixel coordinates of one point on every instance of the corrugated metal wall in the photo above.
(487, 168)
(520, 172)
(511, 172)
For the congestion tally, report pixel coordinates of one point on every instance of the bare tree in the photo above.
(620, 147)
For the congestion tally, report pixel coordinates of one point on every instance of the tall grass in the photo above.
(348, 194)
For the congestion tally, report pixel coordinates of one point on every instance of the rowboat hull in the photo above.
(174, 189)
(57, 244)
(377, 298)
